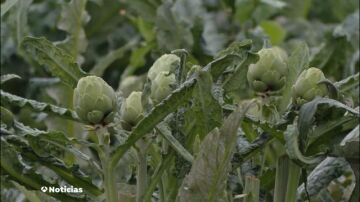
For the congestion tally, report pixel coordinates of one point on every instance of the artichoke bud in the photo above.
(162, 86)
(167, 63)
(132, 110)
(270, 71)
(94, 100)
(307, 86)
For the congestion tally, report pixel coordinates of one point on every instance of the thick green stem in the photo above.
(287, 180)
(108, 169)
(109, 183)
(293, 181)
(282, 173)
(141, 183)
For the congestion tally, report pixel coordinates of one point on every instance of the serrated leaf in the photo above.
(16, 170)
(7, 77)
(328, 170)
(207, 178)
(72, 18)
(44, 143)
(218, 66)
(205, 113)
(60, 63)
(237, 84)
(298, 61)
(71, 174)
(39, 106)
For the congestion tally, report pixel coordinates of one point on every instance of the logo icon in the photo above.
(44, 189)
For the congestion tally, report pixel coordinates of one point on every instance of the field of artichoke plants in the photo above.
(180, 100)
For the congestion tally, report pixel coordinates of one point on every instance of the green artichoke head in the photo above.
(94, 100)
(132, 109)
(269, 73)
(307, 86)
(162, 86)
(167, 63)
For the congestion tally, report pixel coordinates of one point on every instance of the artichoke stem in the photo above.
(108, 170)
(141, 180)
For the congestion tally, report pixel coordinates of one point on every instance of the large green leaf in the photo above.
(12, 166)
(207, 178)
(53, 143)
(308, 110)
(237, 85)
(349, 146)
(205, 113)
(328, 170)
(292, 147)
(38, 106)
(59, 62)
(72, 18)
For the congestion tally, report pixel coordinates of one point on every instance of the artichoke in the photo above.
(307, 86)
(167, 63)
(162, 86)
(94, 100)
(269, 73)
(132, 109)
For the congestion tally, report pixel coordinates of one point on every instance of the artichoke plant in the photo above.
(162, 86)
(167, 63)
(269, 73)
(131, 110)
(307, 86)
(94, 100)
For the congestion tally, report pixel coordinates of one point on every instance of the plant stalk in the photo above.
(141, 183)
(293, 181)
(108, 170)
